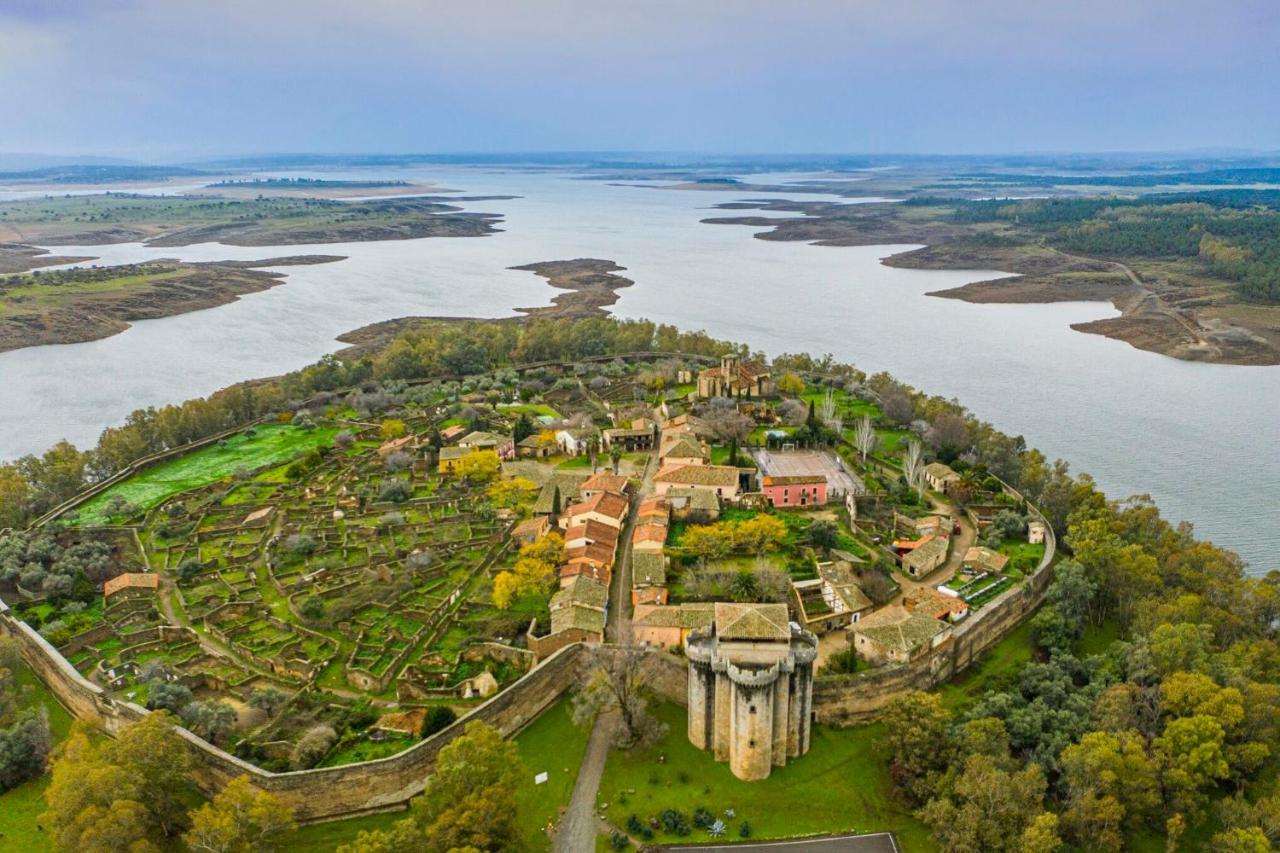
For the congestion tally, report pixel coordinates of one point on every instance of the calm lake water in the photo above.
(1199, 438)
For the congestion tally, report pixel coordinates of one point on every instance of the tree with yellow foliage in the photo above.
(392, 428)
(533, 573)
(240, 819)
(478, 465)
(512, 493)
(790, 383)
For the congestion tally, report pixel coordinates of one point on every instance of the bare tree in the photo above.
(617, 680)
(722, 417)
(913, 465)
(828, 409)
(865, 438)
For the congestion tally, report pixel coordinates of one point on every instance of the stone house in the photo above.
(590, 531)
(648, 538)
(895, 635)
(1035, 532)
(831, 601)
(669, 626)
(929, 554)
(648, 578)
(682, 448)
(695, 505)
(983, 559)
(939, 476)
(578, 615)
(574, 442)
(609, 508)
(604, 482)
(936, 604)
(130, 585)
(531, 529)
(720, 480)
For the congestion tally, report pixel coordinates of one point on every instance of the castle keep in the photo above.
(751, 688)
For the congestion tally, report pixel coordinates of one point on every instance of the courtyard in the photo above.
(807, 463)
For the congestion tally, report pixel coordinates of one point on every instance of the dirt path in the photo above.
(579, 826)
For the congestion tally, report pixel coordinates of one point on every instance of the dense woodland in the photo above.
(1236, 233)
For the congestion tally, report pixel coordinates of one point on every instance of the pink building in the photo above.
(804, 490)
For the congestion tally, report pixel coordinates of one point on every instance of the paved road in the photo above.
(578, 828)
(618, 629)
(880, 842)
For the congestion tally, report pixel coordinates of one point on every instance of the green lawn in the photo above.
(274, 443)
(841, 785)
(577, 463)
(994, 668)
(1097, 639)
(551, 744)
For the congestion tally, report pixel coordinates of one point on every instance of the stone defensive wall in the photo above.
(330, 793)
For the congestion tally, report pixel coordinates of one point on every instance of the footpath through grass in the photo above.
(840, 785)
(272, 444)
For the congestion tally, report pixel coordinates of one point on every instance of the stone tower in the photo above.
(751, 688)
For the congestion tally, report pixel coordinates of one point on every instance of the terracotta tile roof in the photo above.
(130, 580)
(653, 509)
(593, 531)
(608, 504)
(926, 550)
(930, 602)
(580, 567)
(699, 475)
(650, 533)
(683, 446)
(692, 615)
(795, 480)
(536, 527)
(452, 432)
(752, 621)
(605, 482)
(598, 553)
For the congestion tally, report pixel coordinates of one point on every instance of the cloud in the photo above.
(806, 75)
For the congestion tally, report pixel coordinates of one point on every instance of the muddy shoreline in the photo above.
(1038, 275)
(91, 316)
(591, 284)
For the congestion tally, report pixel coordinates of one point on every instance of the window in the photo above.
(752, 709)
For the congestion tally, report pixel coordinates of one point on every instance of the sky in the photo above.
(172, 79)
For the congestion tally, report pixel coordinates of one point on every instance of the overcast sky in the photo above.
(179, 78)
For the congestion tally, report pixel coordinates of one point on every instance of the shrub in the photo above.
(702, 818)
(300, 545)
(313, 608)
(395, 491)
(744, 831)
(313, 746)
(618, 841)
(675, 822)
(167, 696)
(437, 719)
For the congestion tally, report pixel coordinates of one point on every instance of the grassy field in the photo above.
(274, 443)
(841, 785)
(551, 744)
(20, 807)
(994, 668)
